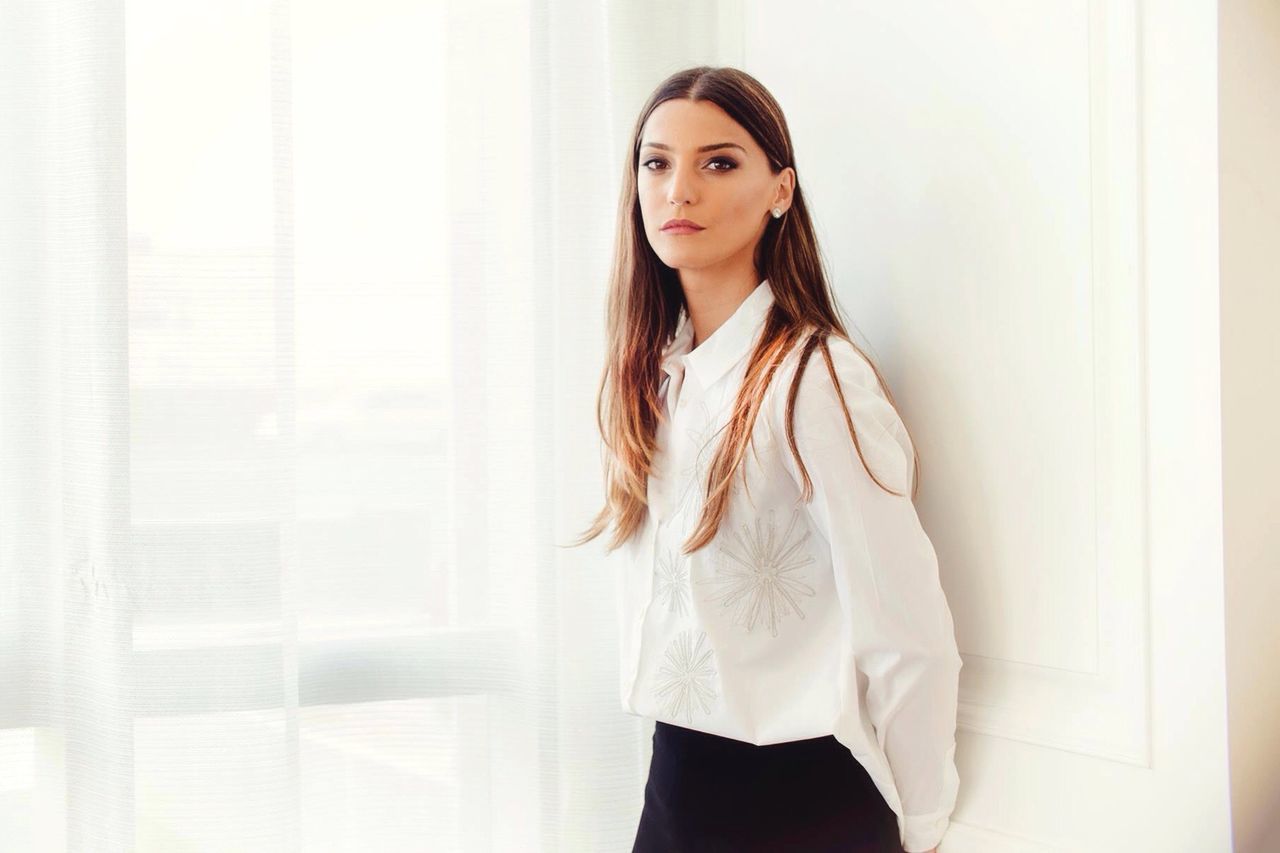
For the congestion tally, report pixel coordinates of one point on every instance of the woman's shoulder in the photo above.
(821, 415)
(853, 369)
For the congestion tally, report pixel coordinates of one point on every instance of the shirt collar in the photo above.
(726, 345)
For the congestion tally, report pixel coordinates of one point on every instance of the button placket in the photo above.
(638, 628)
(676, 387)
(675, 451)
(638, 643)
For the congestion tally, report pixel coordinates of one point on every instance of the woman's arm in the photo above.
(898, 626)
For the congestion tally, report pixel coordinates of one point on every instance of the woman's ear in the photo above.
(786, 188)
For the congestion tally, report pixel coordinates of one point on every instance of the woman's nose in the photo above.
(680, 192)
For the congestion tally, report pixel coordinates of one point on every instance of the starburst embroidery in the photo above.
(686, 679)
(693, 476)
(761, 581)
(673, 581)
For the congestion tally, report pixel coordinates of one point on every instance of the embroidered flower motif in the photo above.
(693, 477)
(762, 581)
(673, 581)
(686, 679)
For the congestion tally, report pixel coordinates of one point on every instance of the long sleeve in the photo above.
(897, 624)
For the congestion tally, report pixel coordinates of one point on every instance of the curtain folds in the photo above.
(301, 316)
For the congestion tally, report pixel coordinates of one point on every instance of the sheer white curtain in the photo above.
(301, 314)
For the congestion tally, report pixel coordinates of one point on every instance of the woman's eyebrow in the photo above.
(701, 148)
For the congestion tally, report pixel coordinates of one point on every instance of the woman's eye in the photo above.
(729, 164)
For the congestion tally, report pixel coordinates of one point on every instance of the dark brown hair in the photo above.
(644, 303)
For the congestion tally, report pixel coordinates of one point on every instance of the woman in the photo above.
(781, 615)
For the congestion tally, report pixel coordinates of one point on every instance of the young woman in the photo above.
(780, 609)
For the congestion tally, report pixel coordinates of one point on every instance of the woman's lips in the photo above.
(682, 229)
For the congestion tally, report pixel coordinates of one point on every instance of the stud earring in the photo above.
(777, 213)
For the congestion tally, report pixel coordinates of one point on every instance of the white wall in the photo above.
(1019, 206)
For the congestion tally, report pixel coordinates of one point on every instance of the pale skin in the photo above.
(727, 188)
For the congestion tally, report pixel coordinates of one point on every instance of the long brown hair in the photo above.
(644, 303)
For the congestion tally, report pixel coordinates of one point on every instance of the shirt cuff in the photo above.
(924, 832)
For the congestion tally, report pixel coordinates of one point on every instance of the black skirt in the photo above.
(708, 793)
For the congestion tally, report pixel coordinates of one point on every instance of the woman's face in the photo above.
(698, 164)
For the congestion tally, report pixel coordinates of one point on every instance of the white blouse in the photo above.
(798, 620)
